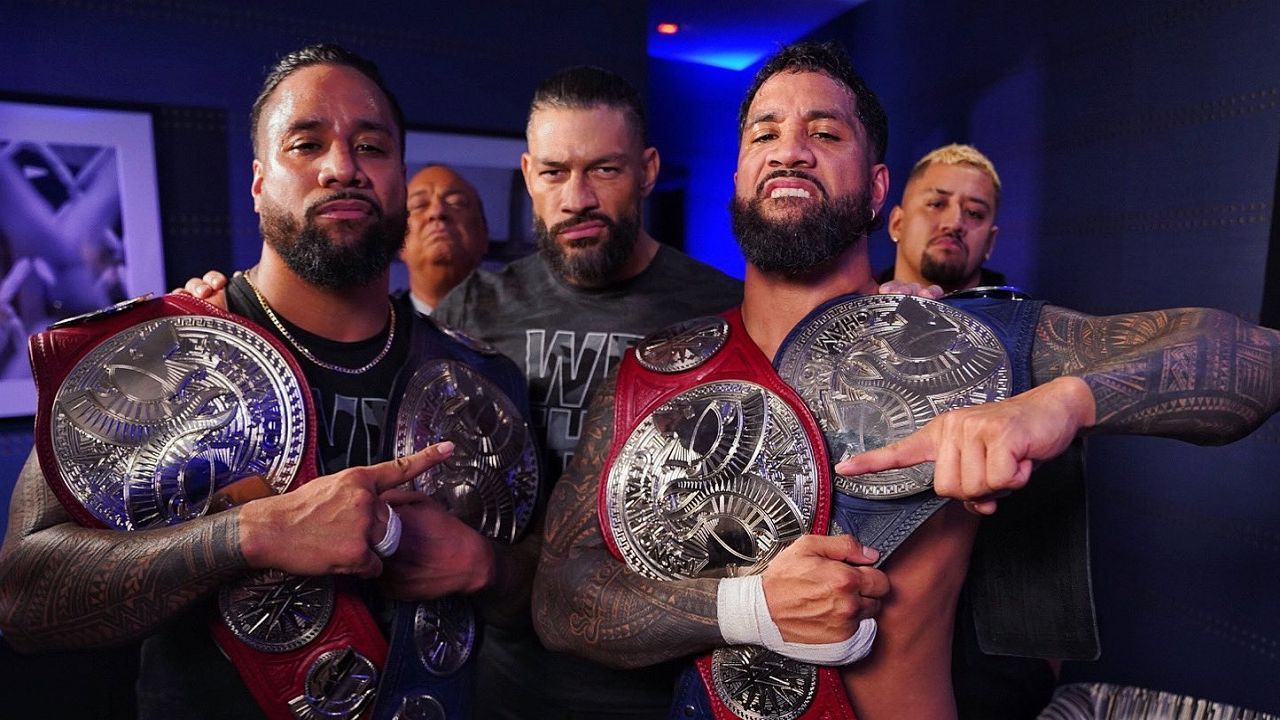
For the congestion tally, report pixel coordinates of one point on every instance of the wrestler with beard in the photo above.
(804, 240)
(314, 253)
(328, 182)
(810, 177)
(945, 228)
(588, 261)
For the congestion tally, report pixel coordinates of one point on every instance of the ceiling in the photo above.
(734, 34)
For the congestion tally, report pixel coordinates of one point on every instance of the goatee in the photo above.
(315, 256)
(596, 262)
(803, 245)
(943, 273)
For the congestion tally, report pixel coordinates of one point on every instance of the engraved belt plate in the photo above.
(683, 346)
(713, 483)
(876, 368)
(275, 612)
(338, 686)
(444, 631)
(158, 417)
(491, 480)
(420, 707)
(757, 684)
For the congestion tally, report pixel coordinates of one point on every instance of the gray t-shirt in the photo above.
(566, 340)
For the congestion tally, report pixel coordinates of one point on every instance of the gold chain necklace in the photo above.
(391, 336)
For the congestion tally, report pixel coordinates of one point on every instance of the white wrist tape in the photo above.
(744, 620)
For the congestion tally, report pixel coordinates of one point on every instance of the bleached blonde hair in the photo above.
(957, 154)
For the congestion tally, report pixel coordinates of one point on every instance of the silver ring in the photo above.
(391, 539)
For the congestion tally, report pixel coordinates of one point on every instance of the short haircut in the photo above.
(957, 154)
(831, 60)
(320, 54)
(584, 87)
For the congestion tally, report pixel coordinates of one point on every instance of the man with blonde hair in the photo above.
(945, 227)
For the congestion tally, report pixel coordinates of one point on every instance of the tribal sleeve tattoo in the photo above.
(588, 602)
(63, 586)
(1195, 374)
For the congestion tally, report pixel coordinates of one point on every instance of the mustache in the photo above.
(955, 235)
(791, 173)
(581, 218)
(345, 195)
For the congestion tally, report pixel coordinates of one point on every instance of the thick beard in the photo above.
(944, 274)
(805, 245)
(589, 266)
(316, 257)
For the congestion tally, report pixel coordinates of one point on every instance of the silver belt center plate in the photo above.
(713, 483)
(876, 368)
(491, 480)
(158, 417)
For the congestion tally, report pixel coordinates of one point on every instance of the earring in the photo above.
(894, 238)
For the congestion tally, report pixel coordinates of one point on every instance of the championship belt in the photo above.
(716, 466)
(489, 482)
(874, 369)
(156, 412)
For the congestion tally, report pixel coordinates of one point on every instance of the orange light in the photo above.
(668, 28)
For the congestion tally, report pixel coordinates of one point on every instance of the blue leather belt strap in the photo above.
(407, 679)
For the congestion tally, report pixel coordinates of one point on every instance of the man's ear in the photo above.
(651, 163)
(255, 188)
(879, 186)
(895, 223)
(991, 243)
(526, 163)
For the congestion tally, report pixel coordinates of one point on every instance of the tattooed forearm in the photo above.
(63, 586)
(1196, 374)
(588, 602)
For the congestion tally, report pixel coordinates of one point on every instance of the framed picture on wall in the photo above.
(492, 165)
(79, 224)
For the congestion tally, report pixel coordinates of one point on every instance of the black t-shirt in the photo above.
(350, 409)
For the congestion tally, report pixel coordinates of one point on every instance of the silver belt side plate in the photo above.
(877, 368)
(491, 480)
(158, 417)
